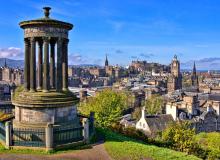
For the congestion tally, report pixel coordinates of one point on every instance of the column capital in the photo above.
(26, 41)
(32, 39)
(59, 40)
(46, 39)
(66, 41)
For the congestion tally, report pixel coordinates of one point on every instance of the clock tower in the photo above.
(175, 77)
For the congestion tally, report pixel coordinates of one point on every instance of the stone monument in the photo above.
(45, 97)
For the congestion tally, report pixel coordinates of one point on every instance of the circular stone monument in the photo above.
(45, 97)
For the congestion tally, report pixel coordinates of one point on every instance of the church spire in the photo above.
(194, 77)
(194, 68)
(106, 60)
(5, 63)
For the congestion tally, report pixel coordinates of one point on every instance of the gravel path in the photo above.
(97, 152)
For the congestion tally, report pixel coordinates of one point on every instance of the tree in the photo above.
(154, 104)
(108, 106)
(137, 113)
(181, 137)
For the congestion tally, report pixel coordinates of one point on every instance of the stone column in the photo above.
(49, 137)
(27, 65)
(8, 135)
(59, 65)
(52, 64)
(85, 124)
(65, 65)
(33, 66)
(46, 65)
(40, 61)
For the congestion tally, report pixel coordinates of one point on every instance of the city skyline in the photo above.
(152, 30)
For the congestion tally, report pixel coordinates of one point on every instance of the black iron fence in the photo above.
(28, 137)
(2, 131)
(91, 127)
(67, 134)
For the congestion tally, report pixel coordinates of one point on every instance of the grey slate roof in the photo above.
(159, 122)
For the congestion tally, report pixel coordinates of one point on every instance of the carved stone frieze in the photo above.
(45, 32)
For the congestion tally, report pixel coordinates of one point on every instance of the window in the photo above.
(140, 123)
(143, 125)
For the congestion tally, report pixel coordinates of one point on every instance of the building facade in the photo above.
(175, 78)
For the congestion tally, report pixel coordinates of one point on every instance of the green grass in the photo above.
(120, 148)
(42, 152)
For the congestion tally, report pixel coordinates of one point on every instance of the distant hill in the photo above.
(20, 63)
(85, 65)
(12, 63)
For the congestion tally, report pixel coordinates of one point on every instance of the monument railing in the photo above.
(2, 131)
(50, 137)
(28, 137)
(67, 134)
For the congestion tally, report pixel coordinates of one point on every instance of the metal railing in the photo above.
(28, 137)
(67, 134)
(2, 131)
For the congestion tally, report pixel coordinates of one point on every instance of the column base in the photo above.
(26, 90)
(64, 89)
(45, 90)
(49, 149)
(39, 88)
(32, 90)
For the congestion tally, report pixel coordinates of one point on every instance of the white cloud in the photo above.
(11, 52)
(76, 58)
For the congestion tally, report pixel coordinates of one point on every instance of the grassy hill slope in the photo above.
(120, 148)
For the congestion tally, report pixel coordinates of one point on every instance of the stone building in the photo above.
(11, 75)
(208, 121)
(152, 124)
(74, 71)
(175, 78)
(185, 108)
(6, 74)
(96, 71)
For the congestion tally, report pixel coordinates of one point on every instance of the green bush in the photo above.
(210, 142)
(181, 137)
(129, 131)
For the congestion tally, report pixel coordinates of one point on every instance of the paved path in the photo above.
(97, 152)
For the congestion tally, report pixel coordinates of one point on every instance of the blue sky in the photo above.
(152, 30)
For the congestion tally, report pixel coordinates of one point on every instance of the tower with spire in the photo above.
(106, 60)
(175, 78)
(194, 77)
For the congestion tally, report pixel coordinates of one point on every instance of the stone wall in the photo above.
(45, 115)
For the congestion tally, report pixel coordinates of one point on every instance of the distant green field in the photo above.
(122, 148)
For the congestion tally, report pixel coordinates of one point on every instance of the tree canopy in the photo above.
(154, 104)
(181, 136)
(108, 106)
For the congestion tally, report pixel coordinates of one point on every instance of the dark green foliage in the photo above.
(153, 105)
(129, 132)
(108, 106)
